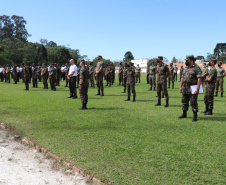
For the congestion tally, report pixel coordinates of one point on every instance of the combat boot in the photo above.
(83, 107)
(167, 103)
(162, 95)
(222, 94)
(102, 93)
(194, 116)
(98, 92)
(124, 91)
(134, 97)
(128, 99)
(150, 89)
(184, 115)
(210, 112)
(205, 111)
(159, 103)
(216, 94)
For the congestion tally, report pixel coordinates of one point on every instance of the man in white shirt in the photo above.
(72, 79)
(1, 72)
(63, 72)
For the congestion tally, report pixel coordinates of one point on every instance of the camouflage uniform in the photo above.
(78, 75)
(99, 78)
(171, 77)
(39, 70)
(138, 70)
(84, 74)
(112, 73)
(66, 73)
(34, 77)
(152, 76)
(209, 95)
(8, 74)
(58, 75)
(181, 73)
(162, 71)
(26, 76)
(44, 74)
(14, 72)
(120, 75)
(108, 74)
(220, 79)
(52, 78)
(124, 78)
(190, 77)
(130, 74)
(147, 77)
(91, 70)
(204, 71)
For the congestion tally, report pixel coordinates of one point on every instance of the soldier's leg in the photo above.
(217, 85)
(150, 81)
(134, 92)
(159, 90)
(221, 83)
(185, 102)
(147, 79)
(194, 103)
(139, 77)
(172, 83)
(128, 92)
(169, 82)
(164, 86)
(98, 85)
(154, 81)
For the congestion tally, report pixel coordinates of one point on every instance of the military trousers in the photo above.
(152, 81)
(52, 83)
(171, 79)
(35, 82)
(132, 87)
(175, 76)
(161, 87)
(138, 77)
(72, 86)
(26, 81)
(193, 99)
(45, 83)
(99, 81)
(120, 78)
(91, 80)
(124, 83)
(147, 77)
(209, 95)
(84, 94)
(109, 79)
(220, 82)
(15, 77)
(1, 76)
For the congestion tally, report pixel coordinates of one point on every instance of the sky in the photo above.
(147, 28)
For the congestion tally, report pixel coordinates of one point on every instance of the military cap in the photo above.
(160, 57)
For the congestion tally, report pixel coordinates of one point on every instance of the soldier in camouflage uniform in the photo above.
(204, 74)
(209, 95)
(78, 74)
(39, 71)
(112, 73)
(181, 72)
(83, 85)
(175, 73)
(152, 76)
(137, 70)
(147, 76)
(52, 77)
(130, 74)
(44, 74)
(7, 73)
(120, 74)
(220, 79)
(58, 74)
(14, 73)
(26, 76)
(191, 76)
(171, 76)
(162, 73)
(91, 70)
(124, 77)
(108, 74)
(66, 73)
(34, 76)
(99, 76)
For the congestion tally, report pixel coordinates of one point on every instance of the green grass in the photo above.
(123, 142)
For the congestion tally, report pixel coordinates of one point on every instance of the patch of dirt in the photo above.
(22, 165)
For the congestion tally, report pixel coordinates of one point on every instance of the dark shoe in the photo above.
(210, 112)
(159, 103)
(65, 86)
(221, 94)
(98, 92)
(194, 116)
(102, 94)
(167, 103)
(184, 115)
(205, 111)
(216, 94)
(169, 87)
(134, 99)
(70, 97)
(83, 107)
(128, 99)
(26, 89)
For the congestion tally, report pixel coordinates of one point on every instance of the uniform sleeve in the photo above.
(199, 73)
(81, 74)
(167, 69)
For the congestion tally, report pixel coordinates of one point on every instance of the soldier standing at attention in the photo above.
(152, 76)
(58, 74)
(44, 74)
(175, 73)
(124, 77)
(72, 79)
(112, 73)
(130, 75)
(162, 73)
(138, 70)
(78, 74)
(39, 70)
(91, 70)
(147, 77)
(83, 85)
(204, 74)
(191, 76)
(52, 77)
(34, 76)
(209, 95)
(181, 72)
(120, 74)
(26, 76)
(220, 78)
(171, 76)
(14, 72)
(66, 73)
(99, 76)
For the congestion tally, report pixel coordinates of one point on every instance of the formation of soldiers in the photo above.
(128, 76)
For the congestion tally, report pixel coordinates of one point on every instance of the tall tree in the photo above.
(41, 55)
(128, 56)
(174, 60)
(200, 58)
(220, 49)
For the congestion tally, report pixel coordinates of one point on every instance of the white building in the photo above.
(142, 64)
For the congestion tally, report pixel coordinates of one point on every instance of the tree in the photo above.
(200, 58)
(174, 60)
(29, 52)
(222, 58)
(209, 56)
(128, 56)
(41, 54)
(220, 49)
(63, 55)
(51, 44)
(44, 42)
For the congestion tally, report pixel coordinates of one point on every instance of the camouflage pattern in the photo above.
(78, 76)
(162, 72)
(52, 78)
(99, 78)
(138, 70)
(124, 78)
(220, 79)
(209, 95)
(108, 74)
(84, 74)
(152, 76)
(171, 76)
(26, 76)
(44, 74)
(190, 77)
(181, 73)
(120, 75)
(130, 83)
(39, 71)
(91, 71)
(14, 73)
(204, 71)
(34, 77)
(147, 77)
(66, 73)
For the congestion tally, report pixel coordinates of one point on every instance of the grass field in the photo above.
(123, 142)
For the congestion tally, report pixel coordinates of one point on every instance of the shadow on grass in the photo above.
(106, 108)
(116, 95)
(211, 118)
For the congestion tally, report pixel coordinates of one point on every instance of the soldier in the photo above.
(26, 76)
(181, 72)
(39, 69)
(124, 77)
(152, 76)
(120, 74)
(78, 74)
(191, 76)
(108, 74)
(72, 74)
(44, 74)
(147, 76)
(83, 85)
(8, 73)
(112, 73)
(58, 75)
(14, 72)
(99, 76)
(209, 95)
(204, 74)
(66, 73)
(130, 74)
(220, 78)
(175, 73)
(91, 70)
(138, 70)
(162, 73)
(171, 76)
(52, 77)
(34, 76)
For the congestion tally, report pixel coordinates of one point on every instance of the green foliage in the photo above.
(220, 49)
(152, 60)
(128, 56)
(174, 60)
(41, 55)
(222, 58)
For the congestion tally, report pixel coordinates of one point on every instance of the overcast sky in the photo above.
(147, 28)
